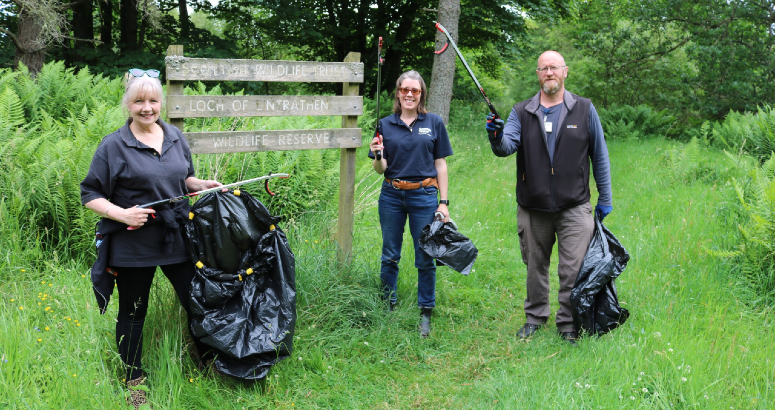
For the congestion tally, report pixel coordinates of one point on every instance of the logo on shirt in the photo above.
(572, 126)
(425, 131)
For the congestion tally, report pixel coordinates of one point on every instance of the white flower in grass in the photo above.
(578, 384)
(639, 379)
(329, 367)
(645, 390)
(366, 343)
(586, 386)
(642, 373)
(683, 379)
(382, 361)
(632, 397)
(300, 358)
(706, 396)
(621, 397)
(670, 350)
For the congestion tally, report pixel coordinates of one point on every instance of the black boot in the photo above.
(425, 321)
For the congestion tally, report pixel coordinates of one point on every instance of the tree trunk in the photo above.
(32, 51)
(443, 75)
(128, 25)
(83, 24)
(184, 21)
(106, 19)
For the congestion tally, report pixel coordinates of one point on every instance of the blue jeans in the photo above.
(394, 207)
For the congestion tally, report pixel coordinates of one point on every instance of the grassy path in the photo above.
(690, 343)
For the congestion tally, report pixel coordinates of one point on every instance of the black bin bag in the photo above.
(243, 297)
(596, 309)
(449, 247)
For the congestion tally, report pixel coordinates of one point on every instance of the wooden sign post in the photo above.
(349, 105)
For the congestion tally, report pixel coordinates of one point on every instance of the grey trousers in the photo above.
(573, 228)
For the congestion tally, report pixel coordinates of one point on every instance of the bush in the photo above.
(633, 122)
(749, 133)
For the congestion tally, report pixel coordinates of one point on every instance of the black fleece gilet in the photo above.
(540, 186)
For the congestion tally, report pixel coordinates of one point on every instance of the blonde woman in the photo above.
(145, 160)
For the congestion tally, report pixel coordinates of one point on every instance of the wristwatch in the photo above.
(444, 201)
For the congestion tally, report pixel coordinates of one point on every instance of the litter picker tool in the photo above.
(264, 178)
(465, 64)
(380, 60)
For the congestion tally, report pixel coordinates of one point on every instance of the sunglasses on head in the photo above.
(139, 72)
(407, 90)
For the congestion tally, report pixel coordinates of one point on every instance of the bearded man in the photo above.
(555, 134)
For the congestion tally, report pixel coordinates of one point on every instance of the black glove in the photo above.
(494, 126)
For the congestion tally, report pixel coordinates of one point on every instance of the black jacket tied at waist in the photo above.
(103, 281)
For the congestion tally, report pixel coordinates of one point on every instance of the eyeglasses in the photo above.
(552, 68)
(407, 90)
(138, 72)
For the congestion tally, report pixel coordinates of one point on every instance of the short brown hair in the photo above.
(414, 75)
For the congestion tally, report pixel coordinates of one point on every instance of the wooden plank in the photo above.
(345, 223)
(174, 53)
(280, 140)
(191, 106)
(213, 69)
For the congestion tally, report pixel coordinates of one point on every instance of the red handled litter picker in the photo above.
(380, 60)
(462, 59)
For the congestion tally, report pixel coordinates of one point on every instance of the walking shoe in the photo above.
(527, 330)
(569, 337)
(137, 396)
(425, 321)
(392, 306)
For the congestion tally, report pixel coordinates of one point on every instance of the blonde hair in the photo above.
(141, 86)
(414, 75)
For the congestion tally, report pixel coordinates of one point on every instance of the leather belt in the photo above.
(409, 185)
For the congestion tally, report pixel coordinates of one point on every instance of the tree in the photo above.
(443, 74)
(40, 23)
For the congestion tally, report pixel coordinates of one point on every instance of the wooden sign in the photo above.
(349, 106)
(192, 106)
(211, 69)
(215, 142)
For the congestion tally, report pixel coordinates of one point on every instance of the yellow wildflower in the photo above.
(40, 340)
(21, 307)
(24, 270)
(47, 328)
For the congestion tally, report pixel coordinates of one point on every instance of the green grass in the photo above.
(689, 321)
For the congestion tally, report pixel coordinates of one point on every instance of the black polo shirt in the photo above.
(410, 152)
(128, 173)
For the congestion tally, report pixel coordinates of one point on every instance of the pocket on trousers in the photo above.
(522, 244)
(430, 190)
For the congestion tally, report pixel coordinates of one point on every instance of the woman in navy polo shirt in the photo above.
(413, 144)
(146, 160)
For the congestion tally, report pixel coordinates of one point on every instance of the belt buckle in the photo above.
(393, 183)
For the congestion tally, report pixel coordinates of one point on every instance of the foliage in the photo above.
(755, 255)
(747, 133)
(642, 121)
(47, 139)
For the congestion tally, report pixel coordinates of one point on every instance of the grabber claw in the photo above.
(266, 185)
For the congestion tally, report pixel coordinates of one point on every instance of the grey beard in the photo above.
(551, 90)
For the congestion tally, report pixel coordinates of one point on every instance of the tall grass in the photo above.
(693, 341)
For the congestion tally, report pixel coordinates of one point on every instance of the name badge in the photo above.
(548, 127)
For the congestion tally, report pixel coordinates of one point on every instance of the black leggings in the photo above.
(134, 287)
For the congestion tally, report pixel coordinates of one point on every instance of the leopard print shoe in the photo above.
(136, 397)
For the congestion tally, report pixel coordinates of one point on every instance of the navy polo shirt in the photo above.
(410, 152)
(128, 173)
